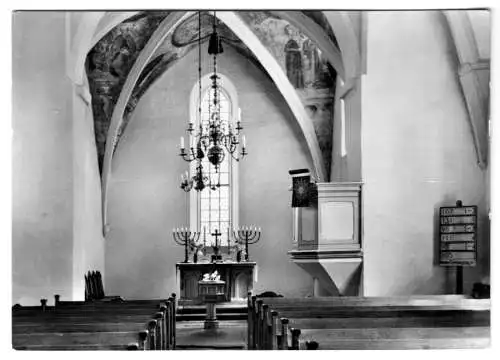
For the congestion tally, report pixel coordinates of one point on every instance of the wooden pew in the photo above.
(76, 338)
(87, 324)
(61, 330)
(395, 338)
(94, 288)
(454, 313)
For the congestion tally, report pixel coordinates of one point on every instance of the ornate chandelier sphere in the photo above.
(216, 155)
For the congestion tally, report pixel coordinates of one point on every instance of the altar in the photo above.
(238, 277)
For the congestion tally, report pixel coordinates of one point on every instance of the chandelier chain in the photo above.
(218, 135)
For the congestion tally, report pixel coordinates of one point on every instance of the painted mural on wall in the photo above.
(108, 64)
(299, 56)
(175, 46)
(110, 61)
(306, 68)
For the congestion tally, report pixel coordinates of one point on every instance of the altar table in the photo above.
(238, 278)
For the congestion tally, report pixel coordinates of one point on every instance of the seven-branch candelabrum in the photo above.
(186, 238)
(247, 235)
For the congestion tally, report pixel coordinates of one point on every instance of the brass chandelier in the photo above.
(213, 138)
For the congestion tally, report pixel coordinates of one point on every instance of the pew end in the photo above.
(43, 302)
(143, 338)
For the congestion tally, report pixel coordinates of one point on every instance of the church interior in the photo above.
(261, 179)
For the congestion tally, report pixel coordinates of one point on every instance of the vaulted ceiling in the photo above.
(300, 58)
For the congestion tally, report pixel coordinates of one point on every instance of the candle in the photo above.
(239, 114)
(182, 142)
(244, 141)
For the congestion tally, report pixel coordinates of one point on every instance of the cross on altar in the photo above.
(216, 233)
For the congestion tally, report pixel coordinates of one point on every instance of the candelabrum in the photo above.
(186, 238)
(212, 140)
(198, 181)
(247, 235)
(215, 134)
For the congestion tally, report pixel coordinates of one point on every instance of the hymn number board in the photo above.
(457, 235)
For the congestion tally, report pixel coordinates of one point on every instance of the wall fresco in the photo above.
(108, 64)
(305, 66)
(300, 57)
(175, 46)
(110, 61)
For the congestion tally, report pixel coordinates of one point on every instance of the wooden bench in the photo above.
(94, 289)
(343, 322)
(142, 324)
(383, 338)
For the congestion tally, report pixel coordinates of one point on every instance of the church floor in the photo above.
(231, 335)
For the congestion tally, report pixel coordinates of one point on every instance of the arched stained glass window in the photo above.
(217, 209)
(215, 205)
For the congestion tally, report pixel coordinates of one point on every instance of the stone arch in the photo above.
(282, 83)
(245, 34)
(81, 44)
(165, 27)
(476, 94)
(348, 41)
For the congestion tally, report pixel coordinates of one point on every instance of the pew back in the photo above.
(420, 321)
(143, 324)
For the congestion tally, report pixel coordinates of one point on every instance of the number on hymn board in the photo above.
(458, 220)
(458, 228)
(466, 210)
(458, 237)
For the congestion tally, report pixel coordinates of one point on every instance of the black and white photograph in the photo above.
(219, 178)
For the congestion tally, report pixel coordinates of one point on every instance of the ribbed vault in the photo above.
(297, 50)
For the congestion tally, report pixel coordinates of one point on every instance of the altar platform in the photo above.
(239, 278)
